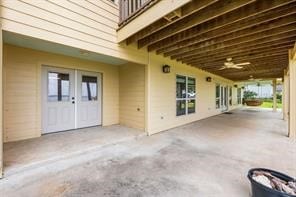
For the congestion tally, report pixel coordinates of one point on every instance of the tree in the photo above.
(249, 94)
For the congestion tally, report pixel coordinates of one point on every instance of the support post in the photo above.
(1, 102)
(274, 95)
(285, 99)
(292, 110)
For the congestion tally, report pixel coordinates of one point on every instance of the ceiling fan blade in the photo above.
(237, 67)
(222, 68)
(242, 64)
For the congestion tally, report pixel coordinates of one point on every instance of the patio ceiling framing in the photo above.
(209, 31)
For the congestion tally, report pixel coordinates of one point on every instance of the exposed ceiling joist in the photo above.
(224, 25)
(212, 11)
(186, 10)
(257, 31)
(240, 53)
(246, 42)
(190, 44)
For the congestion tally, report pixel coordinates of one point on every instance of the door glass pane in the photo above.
(217, 96)
(191, 87)
(58, 87)
(181, 107)
(225, 96)
(89, 91)
(191, 106)
(181, 87)
(222, 96)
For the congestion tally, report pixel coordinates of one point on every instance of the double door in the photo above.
(70, 99)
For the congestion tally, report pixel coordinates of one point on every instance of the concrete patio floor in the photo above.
(210, 157)
(21, 155)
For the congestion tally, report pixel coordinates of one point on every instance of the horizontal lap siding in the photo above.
(22, 78)
(162, 97)
(89, 25)
(20, 98)
(132, 95)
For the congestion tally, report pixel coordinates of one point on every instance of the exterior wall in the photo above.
(162, 94)
(84, 24)
(91, 25)
(22, 82)
(132, 95)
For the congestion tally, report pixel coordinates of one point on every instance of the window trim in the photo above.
(186, 99)
(218, 98)
(230, 95)
(239, 96)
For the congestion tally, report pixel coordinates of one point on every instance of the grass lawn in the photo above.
(269, 105)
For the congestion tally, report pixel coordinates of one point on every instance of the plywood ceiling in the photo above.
(209, 31)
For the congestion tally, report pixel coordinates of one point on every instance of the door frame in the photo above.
(99, 92)
(66, 67)
(224, 97)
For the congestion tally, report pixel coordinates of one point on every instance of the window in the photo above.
(185, 95)
(239, 96)
(217, 96)
(89, 88)
(58, 87)
(230, 96)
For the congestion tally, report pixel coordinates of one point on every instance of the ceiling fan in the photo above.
(251, 78)
(229, 64)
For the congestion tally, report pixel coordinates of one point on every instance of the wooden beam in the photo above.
(240, 53)
(229, 51)
(246, 58)
(217, 9)
(260, 57)
(214, 37)
(280, 59)
(242, 42)
(187, 9)
(255, 74)
(246, 47)
(246, 40)
(255, 68)
(242, 17)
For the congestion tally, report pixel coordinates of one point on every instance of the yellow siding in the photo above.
(86, 24)
(22, 102)
(162, 94)
(132, 95)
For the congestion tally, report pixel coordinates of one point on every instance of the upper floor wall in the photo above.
(85, 24)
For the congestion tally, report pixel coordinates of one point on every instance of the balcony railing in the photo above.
(129, 9)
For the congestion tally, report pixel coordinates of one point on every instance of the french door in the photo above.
(70, 99)
(224, 98)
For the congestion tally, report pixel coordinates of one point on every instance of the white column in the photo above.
(274, 95)
(1, 103)
(285, 98)
(292, 110)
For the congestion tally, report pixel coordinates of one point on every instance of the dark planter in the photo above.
(253, 102)
(259, 190)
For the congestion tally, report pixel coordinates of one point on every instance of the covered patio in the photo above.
(26, 154)
(204, 158)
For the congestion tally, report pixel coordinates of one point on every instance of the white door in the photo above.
(58, 99)
(88, 99)
(224, 98)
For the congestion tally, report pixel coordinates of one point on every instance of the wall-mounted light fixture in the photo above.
(235, 86)
(209, 79)
(243, 87)
(166, 69)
